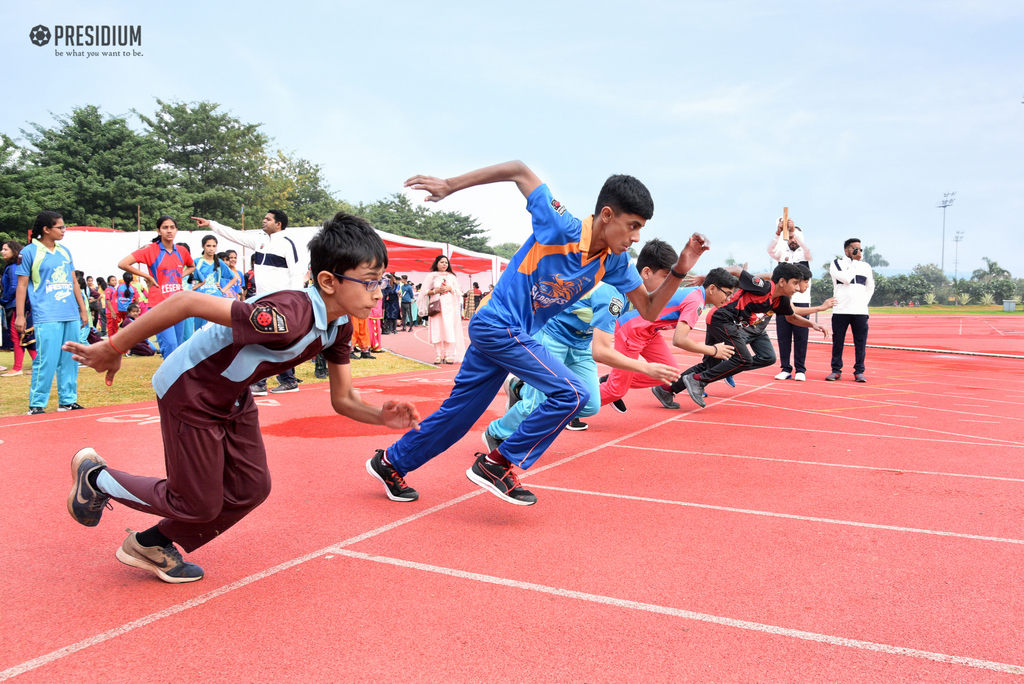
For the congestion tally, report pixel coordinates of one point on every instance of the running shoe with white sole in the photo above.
(500, 481)
(394, 484)
(667, 399)
(164, 562)
(576, 425)
(511, 388)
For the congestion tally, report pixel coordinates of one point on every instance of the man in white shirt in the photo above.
(853, 284)
(794, 337)
(276, 267)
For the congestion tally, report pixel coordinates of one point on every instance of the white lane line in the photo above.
(992, 441)
(895, 415)
(691, 615)
(968, 420)
(199, 600)
(788, 516)
(822, 463)
(1003, 443)
(227, 588)
(901, 401)
(994, 327)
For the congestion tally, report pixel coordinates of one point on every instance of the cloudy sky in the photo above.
(857, 116)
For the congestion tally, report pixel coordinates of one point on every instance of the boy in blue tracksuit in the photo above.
(563, 259)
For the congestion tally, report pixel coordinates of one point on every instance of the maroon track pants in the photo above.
(215, 476)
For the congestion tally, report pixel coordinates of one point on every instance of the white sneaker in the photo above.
(800, 377)
(783, 376)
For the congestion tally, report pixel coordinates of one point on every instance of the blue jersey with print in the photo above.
(211, 278)
(599, 309)
(551, 270)
(51, 289)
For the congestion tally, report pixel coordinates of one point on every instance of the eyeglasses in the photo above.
(855, 251)
(370, 285)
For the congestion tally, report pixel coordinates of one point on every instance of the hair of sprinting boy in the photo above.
(625, 195)
(850, 242)
(786, 271)
(721, 279)
(45, 219)
(280, 217)
(343, 243)
(805, 272)
(656, 255)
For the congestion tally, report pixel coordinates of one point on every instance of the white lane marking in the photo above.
(788, 516)
(993, 327)
(822, 463)
(199, 600)
(691, 615)
(895, 415)
(968, 420)
(992, 441)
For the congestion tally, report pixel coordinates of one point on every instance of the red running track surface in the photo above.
(789, 532)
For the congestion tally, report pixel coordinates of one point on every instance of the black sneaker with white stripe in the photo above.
(576, 425)
(394, 484)
(500, 481)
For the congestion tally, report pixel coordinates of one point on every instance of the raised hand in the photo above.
(437, 188)
(100, 356)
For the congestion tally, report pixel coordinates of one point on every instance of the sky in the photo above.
(856, 116)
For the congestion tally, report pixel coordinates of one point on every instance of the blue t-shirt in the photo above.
(407, 293)
(211, 279)
(551, 270)
(51, 289)
(125, 296)
(599, 309)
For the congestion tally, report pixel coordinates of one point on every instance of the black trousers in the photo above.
(753, 350)
(792, 337)
(858, 323)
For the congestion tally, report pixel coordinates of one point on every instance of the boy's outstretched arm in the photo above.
(105, 356)
(603, 347)
(681, 338)
(346, 402)
(439, 188)
(650, 304)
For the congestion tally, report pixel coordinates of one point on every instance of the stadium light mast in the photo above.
(956, 255)
(947, 200)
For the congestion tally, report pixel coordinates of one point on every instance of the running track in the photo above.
(789, 532)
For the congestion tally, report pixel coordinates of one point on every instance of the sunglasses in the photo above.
(370, 285)
(855, 251)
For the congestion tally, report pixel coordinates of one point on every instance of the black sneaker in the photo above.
(164, 562)
(394, 484)
(695, 388)
(286, 387)
(603, 379)
(70, 407)
(667, 399)
(36, 410)
(258, 389)
(85, 502)
(511, 388)
(619, 405)
(367, 355)
(490, 441)
(576, 425)
(500, 481)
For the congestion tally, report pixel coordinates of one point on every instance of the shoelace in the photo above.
(398, 479)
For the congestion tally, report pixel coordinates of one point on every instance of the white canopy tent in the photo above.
(97, 251)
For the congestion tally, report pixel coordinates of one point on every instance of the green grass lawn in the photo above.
(133, 382)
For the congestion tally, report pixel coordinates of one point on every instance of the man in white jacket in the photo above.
(853, 284)
(277, 267)
(792, 251)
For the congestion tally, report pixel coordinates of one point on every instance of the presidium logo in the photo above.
(73, 36)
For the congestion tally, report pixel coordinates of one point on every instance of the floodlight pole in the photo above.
(947, 200)
(956, 255)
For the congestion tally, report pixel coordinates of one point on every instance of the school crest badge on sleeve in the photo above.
(266, 319)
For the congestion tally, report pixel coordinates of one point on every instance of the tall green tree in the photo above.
(97, 170)
(223, 163)
(993, 271)
(931, 273)
(397, 215)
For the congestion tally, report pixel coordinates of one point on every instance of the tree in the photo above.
(397, 215)
(932, 273)
(874, 259)
(95, 171)
(993, 272)
(223, 163)
(506, 250)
